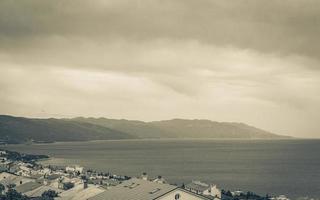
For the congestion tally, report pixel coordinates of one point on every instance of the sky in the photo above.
(249, 61)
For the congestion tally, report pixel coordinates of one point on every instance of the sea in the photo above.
(274, 167)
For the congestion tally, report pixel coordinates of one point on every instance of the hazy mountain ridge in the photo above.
(183, 128)
(211, 129)
(19, 129)
(138, 129)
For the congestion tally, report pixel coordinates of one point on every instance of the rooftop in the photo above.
(8, 178)
(80, 193)
(197, 185)
(135, 189)
(38, 191)
(26, 187)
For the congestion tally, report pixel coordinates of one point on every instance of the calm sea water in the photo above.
(290, 167)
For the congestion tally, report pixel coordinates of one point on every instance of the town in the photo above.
(23, 178)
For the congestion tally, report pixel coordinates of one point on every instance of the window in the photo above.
(177, 196)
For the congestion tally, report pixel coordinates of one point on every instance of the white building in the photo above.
(24, 171)
(45, 171)
(203, 189)
(237, 193)
(159, 179)
(75, 169)
(281, 197)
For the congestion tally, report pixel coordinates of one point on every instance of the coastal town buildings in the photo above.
(81, 191)
(74, 183)
(199, 187)
(280, 197)
(75, 169)
(142, 189)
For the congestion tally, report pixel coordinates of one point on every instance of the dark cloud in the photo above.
(288, 27)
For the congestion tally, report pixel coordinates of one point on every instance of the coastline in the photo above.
(164, 139)
(235, 164)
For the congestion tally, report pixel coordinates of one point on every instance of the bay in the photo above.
(290, 167)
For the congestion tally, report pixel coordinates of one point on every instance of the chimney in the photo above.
(85, 184)
(144, 176)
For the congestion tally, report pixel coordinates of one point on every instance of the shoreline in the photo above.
(164, 139)
(99, 155)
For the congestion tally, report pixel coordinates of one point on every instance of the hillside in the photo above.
(183, 128)
(138, 129)
(211, 129)
(19, 129)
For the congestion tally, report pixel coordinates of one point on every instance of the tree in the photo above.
(268, 196)
(2, 188)
(11, 186)
(229, 193)
(12, 194)
(68, 185)
(49, 195)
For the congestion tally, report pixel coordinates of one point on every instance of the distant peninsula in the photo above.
(24, 130)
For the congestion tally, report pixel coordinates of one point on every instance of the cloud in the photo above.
(250, 61)
(162, 79)
(286, 27)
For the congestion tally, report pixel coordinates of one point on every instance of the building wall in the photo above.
(213, 191)
(183, 196)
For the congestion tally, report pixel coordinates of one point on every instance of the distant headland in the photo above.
(33, 130)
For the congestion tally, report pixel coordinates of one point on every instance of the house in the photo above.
(4, 166)
(105, 182)
(199, 187)
(66, 183)
(74, 169)
(45, 171)
(237, 193)
(24, 171)
(141, 189)
(9, 179)
(81, 191)
(281, 197)
(159, 179)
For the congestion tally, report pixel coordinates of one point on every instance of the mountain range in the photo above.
(21, 129)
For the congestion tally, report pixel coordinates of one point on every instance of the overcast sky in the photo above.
(255, 62)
